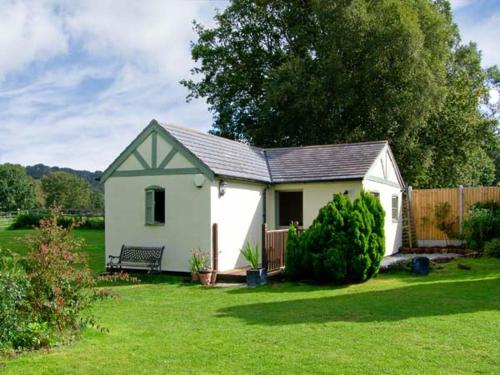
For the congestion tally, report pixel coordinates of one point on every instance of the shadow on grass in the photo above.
(420, 300)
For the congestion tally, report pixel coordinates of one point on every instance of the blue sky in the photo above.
(79, 80)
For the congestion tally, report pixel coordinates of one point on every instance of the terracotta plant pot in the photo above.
(205, 277)
(194, 276)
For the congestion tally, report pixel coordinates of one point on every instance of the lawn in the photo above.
(94, 244)
(448, 322)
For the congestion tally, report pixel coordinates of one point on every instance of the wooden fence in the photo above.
(423, 208)
(273, 248)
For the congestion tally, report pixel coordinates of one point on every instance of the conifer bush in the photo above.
(345, 243)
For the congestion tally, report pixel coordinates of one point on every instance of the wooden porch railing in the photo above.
(273, 248)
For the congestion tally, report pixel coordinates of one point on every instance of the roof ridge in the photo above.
(327, 145)
(265, 148)
(165, 125)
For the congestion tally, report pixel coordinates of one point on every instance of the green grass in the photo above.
(448, 323)
(5, 223)
(94, 244)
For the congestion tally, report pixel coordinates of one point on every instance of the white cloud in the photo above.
(137, 54)
(104, 69)
(30, 31)
(156, 33)
(457, 4)
(485, 34)
(90, 134)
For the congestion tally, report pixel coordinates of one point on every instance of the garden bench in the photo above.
(137, 256)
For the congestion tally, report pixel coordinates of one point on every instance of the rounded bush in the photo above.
(345, 243)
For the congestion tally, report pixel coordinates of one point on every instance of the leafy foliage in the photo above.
(482, 224)
(29, 220)
(492, 247)
(44, 296)
(199, 260)
(444, 222)
(288, 73)
(65, 190)
(14, 309)
(295, 268)
(59, 276)
(251, 254)
(345, 243)
(17, 189)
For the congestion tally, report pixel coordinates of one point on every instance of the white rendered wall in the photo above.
(315, 195)
(393, 228)
(238, 214)
(382, 178)
(187, 217)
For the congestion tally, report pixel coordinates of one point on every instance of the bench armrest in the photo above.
(113, 260)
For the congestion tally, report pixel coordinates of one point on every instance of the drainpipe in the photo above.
(264, 205)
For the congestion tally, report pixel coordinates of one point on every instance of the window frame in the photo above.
(277, 208)
(395, 208)
(150, 209)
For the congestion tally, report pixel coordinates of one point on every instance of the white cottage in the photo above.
(171, 184)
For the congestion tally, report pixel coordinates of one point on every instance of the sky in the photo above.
(79, 80)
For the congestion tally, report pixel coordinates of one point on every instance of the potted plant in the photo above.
(255, 275)
(205, 275)
(197, 262)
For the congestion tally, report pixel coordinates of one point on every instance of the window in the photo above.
(155, 205)
(289, 204)
(395, 208)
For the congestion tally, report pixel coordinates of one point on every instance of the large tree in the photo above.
(17, 189)
(66, 190)
(462, 138)
(298, 72)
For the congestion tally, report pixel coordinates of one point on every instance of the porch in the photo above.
(273, 257)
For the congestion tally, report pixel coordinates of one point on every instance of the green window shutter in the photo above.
(150, 206)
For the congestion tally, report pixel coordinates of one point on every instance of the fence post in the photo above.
(215, 251)
(408, 215)
(264, 246)
(461, 209)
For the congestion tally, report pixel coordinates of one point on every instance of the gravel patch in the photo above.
(393, 260)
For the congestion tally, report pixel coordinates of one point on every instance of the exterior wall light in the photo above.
(222, 188)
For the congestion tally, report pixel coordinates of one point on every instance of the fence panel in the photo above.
(275, 247)
(423, 210)
(479, 194)
(424, 202)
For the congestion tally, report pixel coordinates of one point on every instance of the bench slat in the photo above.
(139, 256)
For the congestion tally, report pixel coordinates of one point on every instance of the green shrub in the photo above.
(59, 276)
(15, 312)
(492, 247)
(482, 224)
(295, 268)
(32, 219)
(345, 243)
(43, 296)
(93, 222)
(32, 336)
(28, 220)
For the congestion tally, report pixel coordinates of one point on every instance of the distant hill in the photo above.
(39, 170)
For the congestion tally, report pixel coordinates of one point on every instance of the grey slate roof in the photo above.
(223, 156)
(320, 163)
(291, 164)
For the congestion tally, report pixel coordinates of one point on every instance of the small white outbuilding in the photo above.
(171, 184)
